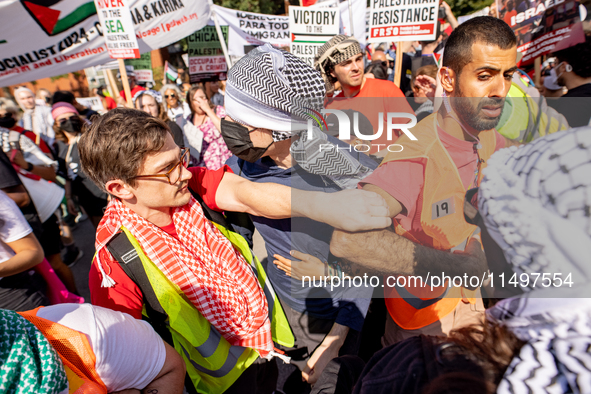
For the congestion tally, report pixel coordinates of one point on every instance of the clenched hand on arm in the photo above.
(387, 253)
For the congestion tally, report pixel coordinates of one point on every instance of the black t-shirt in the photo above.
(574, 105)
(580, 91)
(9, 178)
(75, 173)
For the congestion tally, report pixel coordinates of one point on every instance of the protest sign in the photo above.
(142, 67)
(248, 30)
(540, 26)
(310, 28)
(38, 41)
(403, 20)
(206, 58)
(94, 103)
(118, 29)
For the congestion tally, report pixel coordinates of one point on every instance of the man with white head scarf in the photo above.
(270, 94)
(36, 118)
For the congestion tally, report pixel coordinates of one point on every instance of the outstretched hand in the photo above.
(305, 265)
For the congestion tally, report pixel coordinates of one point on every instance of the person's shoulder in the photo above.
(234, 163)
(382, 88)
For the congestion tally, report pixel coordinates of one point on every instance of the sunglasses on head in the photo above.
(170, 96)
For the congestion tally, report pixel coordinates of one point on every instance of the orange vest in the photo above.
(442, 222)
(75, 352)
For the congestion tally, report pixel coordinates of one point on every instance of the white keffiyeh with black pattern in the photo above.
(536, 204)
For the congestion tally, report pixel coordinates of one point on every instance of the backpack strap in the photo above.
(238, 222)
(123, 251)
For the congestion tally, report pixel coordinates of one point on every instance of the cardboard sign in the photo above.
(118, 28)
(142, 67)
(542, 27)
(310, 28)
(206, 58)
(403, 20)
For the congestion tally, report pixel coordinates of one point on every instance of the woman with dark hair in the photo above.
(206, 118)
(150, 101)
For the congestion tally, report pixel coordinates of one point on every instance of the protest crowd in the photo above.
(426, 225)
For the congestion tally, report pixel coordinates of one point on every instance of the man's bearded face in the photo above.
(480, 113)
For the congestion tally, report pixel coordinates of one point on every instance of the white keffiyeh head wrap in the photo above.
(536, 204)
(272, 89)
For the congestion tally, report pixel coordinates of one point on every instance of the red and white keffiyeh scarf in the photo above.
(204, 264)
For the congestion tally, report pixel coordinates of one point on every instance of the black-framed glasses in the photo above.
(170, 96)
(172, 175)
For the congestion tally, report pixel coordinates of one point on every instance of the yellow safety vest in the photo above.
(522, 119)
(212, 363)
(442, 222)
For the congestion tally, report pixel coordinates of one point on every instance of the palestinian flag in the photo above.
(438, 57)
(56, 16)
(171, 72)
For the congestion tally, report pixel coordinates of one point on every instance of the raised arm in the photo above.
(351, 210)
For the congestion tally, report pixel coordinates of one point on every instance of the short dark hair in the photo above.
(63, 96)
(379, 69)
(484, 29)
(579, 57)
(117, 143)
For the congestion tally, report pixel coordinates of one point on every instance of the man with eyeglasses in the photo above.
(212, 288)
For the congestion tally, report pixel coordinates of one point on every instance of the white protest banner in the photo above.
(248, 30)
(118, 29)
(310, 28)
(38, 41)
(483, 12)
(206, 58)
(403, 20)
(359, 8)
